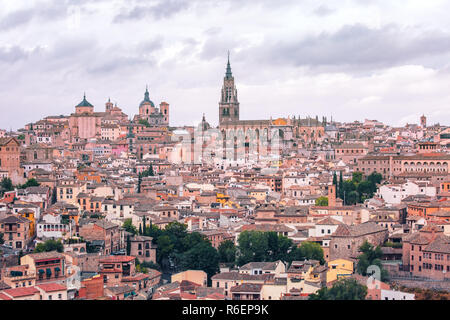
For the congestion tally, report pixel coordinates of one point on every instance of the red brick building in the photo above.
(427, 253)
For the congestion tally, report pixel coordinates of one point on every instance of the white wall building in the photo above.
(395, 193)
(396, 295)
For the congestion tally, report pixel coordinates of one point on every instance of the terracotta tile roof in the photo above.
(357, 230)
(237, 276)
(4, 296)
(120, 290)
(416, 238)
(441, 245)
(266, 227)
(46, 255)
(247, 287)
(21, 292)
(329, 221)
(117, 259)
(50, 287)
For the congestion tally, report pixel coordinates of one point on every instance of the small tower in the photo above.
(332, 196)
(164, 108)
(109, 106)
(423, 121)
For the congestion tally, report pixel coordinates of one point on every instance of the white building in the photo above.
(396, 295)
(51, 227)
(395, 193)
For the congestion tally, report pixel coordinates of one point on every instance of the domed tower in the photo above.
(228, 105)
(84, 106)
(147, 107)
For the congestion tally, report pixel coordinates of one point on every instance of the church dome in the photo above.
(204, 125)
(147, 99)
(84, 103)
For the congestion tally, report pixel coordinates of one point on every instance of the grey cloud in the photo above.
(150, 45)
(157, 10)
(44, 12)
(356, 46)
(119, 63)
(323, 11)
(15, 19)
(15, 53)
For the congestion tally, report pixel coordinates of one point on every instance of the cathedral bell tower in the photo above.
(228, 105)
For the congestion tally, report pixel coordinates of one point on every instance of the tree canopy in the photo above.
(129, 227)
(370, 256)
(322, 201)
(7, 184)
(358, 189)
(307, 250)
(257, 246)
(227, 252)
(181, 250)
(343, 289)
(49, 245)
(30, 183)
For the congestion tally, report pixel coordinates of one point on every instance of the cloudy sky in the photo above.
(352, 59)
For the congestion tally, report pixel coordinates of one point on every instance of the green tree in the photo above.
(365, 189)
(201, 257)
(30, 183)
(357, 177)
(165, 248)
(307, 250)
(335, 181)
(352, 198)
(7, 184)
(341, 186)
(370, 256)
(343, 289)
(49, 245)
(128, 245)
(139, 183)
(144, 229)
(375, 178)
(129, 227)
(278, 246)
(176, 232)
(227, 252)
(253, 247)
(322, 202)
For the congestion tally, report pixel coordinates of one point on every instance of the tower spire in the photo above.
(228, 74)
(147, 95)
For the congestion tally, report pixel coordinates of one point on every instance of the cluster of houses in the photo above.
(93, 172)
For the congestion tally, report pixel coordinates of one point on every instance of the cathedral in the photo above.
(289, 131)
(153, 115)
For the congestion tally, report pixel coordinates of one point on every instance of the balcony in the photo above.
(14, 277)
